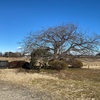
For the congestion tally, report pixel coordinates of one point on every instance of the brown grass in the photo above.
(15, 58)
(69, 84)
(91, 62)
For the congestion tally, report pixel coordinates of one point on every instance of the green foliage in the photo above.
(63, 59)
(34, 56)
(75, 63)
(58, 64)
(39, 56)
(40, 52)
(33, 62)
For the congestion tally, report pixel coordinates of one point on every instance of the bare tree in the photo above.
(64, 38)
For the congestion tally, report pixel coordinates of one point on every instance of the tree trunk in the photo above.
(55, 53)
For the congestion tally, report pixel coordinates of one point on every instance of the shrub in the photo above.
(26, 65)
(41, 52)
(36, 62)
(33, 62)
(58, 64)
(16, 64)
(75, 63)
(37, 59)
(63, 59)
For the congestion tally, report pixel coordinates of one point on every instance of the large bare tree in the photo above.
(63, 38)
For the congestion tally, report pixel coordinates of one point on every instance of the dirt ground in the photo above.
(10, 91)
(16, 85)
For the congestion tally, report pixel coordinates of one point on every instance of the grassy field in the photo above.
(69, 84)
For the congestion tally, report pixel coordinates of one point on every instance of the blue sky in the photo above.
(19, 17)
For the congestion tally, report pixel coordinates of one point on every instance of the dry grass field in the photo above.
(91, 62)
(14, 58)
(69, 84)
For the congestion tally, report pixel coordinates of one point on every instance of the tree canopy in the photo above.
(60, 39)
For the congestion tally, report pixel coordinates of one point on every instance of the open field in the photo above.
(15, 58)
(91, 62)
(69, 84)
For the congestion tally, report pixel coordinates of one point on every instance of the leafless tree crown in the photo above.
(62, 39)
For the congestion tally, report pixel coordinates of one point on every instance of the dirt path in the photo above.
(12, 92)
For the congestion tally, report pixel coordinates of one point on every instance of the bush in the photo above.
(41, 52)
(26, 65)
(64, 60)
(33, 62)
(37, 59)
(75, 63)
(57, 64)
(16, 64)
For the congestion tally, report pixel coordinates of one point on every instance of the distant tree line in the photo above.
(11, 54)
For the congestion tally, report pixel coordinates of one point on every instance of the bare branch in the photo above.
(63, 38)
